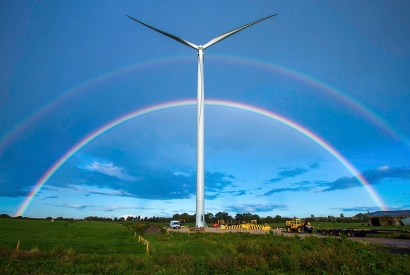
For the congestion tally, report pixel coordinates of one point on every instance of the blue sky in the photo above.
(339, 69)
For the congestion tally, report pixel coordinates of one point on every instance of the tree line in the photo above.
(211, 218)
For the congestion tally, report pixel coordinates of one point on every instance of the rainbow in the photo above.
(80, 88)
(360, 108)
(353, 103)
(184, 103)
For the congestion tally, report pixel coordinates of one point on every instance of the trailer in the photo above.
(339, 232)
(357, 232)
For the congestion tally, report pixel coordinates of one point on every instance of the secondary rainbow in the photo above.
(359, 107)
(188, 103)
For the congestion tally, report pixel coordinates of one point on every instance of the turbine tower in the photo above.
(200, 215)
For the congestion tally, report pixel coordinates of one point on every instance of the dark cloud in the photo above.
(373, 176)
(6, 191)
(217, 181)
(302, 186)
(360, 209)
(212, 197)
(295, 189)
(292, 172)
(241, 193)
(274, 180)
(51, 197)
(245, 208)
(145, 183)
(98, 208)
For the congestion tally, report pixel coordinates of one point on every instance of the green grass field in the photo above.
(63, 247)
(82, 237)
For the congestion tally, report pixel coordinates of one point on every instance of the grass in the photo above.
(63, 247)
(82, 237)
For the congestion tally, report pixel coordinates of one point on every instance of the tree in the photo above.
(341, 215)
(209, 217)
(268, 219)
(239, 217)
(222, 216)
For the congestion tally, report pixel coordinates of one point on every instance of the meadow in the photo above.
(79, 247)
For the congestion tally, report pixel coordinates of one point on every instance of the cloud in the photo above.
(99, 208)
(11, 188)
(100, 192)
(212, 197)
(366, 209)
(302, 186)
(6, 191)
(296, 189)
(245, 208)
(109, 169)
(217, 181)
(151, 184)
(292, 172)
(51, 197)
(373, 176)
(236, 192)
(360, 209)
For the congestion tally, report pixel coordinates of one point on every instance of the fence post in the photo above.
(18, 245)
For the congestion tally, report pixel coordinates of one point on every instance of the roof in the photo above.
(400, 213)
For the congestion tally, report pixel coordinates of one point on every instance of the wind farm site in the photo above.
(114, 159)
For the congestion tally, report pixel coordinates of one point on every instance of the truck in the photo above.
(298, 225)
(174, 224)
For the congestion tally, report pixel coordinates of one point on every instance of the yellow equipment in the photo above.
(247, 226)
(297, 224)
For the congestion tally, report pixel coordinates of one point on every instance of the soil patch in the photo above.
(152, 229)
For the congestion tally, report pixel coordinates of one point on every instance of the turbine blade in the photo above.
(183, 41)
(227, 34)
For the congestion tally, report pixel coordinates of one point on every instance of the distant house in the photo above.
(385, 218)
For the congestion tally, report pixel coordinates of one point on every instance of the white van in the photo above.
(174, 225)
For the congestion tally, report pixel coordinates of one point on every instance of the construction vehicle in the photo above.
(181, 222)
(298, 225)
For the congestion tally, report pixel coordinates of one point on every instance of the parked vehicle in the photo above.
(174, 225)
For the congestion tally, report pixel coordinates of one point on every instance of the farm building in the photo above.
(398, 217)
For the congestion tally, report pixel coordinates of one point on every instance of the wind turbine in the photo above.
(200, 219)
